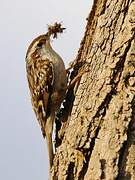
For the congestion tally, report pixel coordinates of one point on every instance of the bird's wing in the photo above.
(40, 79)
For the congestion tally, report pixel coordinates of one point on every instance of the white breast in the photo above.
(60, 80)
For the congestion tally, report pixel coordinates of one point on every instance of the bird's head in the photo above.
(38, 43)
(43, 42)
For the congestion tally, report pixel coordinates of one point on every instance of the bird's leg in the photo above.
(49, 131)
(77, 78)
(71, 66)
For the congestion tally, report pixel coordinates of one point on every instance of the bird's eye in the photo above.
(40, 44)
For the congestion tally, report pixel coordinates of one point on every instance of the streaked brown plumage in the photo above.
(47, 81)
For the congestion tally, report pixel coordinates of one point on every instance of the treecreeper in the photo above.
(47, 80)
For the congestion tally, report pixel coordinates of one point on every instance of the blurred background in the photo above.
(23, 152)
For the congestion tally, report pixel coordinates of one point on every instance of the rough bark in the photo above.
(97, 140)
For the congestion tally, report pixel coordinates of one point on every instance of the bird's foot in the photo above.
(76, 79)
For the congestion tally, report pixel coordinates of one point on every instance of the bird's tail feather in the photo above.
(48, 131)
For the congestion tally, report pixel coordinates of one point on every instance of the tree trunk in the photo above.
(96, 136)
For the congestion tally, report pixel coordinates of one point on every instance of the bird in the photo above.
(47, 80)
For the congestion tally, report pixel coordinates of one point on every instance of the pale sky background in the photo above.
(23, 153)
